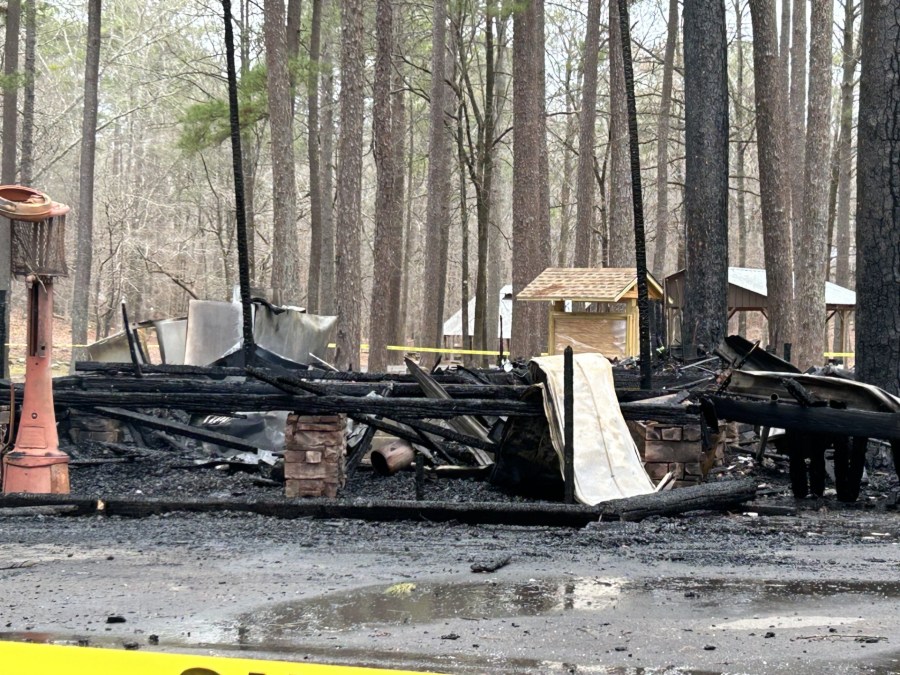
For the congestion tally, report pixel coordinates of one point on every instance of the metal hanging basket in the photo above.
(38, 231)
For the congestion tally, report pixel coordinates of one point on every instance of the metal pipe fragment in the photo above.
(391, 458)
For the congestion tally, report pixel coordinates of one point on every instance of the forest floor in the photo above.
(709, 593)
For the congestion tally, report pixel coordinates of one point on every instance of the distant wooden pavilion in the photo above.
(609, 322)
(747, 292)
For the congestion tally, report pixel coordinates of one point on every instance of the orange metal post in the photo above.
(36, 463)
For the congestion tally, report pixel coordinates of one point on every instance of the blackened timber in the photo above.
(724, 495)
(449, 434)
(181, 384)
(568, 422)
(817, 419)
(222, 371)
(177, 428)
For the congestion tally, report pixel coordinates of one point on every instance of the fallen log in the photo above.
(723, 495)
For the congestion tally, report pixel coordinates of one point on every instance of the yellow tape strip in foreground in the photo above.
(17, 658)
(834, 354)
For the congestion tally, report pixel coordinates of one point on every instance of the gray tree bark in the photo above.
(531, 190)
(326, 161)
(26, 169)
(740, 151)
(437, 215)
(286, 285)
(706, 180)
(313, 151)
(878, 199)
(348, 282)
(8, 162)
(797, 136)
(84, 237)
(398, 136)
(663, 125)
(850, 55)
(809, 300)
(388, 229)
(584, 198)
(771, 133)
(621, 210)
(784, 45)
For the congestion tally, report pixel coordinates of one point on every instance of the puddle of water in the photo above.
(427, 602)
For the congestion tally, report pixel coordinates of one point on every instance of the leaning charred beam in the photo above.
(811, 419)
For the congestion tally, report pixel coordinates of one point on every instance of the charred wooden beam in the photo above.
(726, 495)
(177, 428)
(810, 419)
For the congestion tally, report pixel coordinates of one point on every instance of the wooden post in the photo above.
(131, 346)
(568, 431)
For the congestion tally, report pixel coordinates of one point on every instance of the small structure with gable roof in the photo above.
(609, 323)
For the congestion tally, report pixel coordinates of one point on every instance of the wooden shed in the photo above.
(747, 292)
(608, 324)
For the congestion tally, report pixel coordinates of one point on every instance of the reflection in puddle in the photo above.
(427, 602)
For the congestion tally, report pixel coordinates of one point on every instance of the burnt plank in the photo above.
(176, 428)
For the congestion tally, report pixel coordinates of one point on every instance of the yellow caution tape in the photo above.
(18, 658)
(430, 350)
(834, 354)
(437, 350)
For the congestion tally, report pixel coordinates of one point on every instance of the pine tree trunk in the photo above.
(388, 230)
(485, 322)
(292, 42)
(531, 208)
(740, 152)
(26, 169)
(784, 45)
(809, 301)
(8, 164)
(313, 154)
(437, 215)
(621, 212)
(348, 282)
(398, 136)
(326, 162)
(584, 215)
(845, 147)
(706, 179)
(797, 137)
(566, 226)
(410, 239)
(771, 134)
(662, 146)
(85, 233)
(878, 200)
(286, 285)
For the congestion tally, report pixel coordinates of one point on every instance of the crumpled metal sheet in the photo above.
(293, 335)
(171, 335)
(214, 331)
(607, 462)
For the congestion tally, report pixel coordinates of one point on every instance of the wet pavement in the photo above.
(814, 593)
